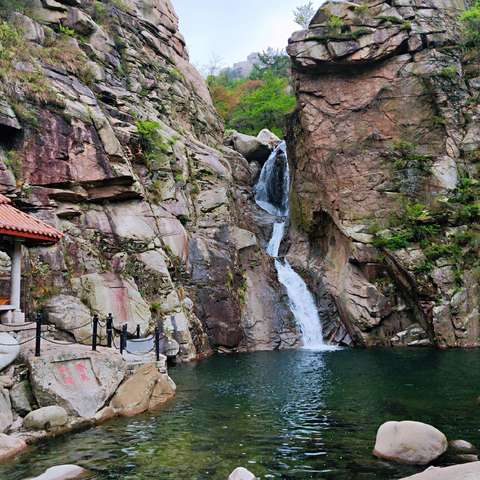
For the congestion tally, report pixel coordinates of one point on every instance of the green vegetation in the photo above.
(154, 147)
(449, 72)
(447, 229)
(260, 101)
(69, 32)
(335, 24)
(471, 23)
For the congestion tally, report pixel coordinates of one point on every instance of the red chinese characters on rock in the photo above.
(75, 373)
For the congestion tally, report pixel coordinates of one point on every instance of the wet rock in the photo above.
(457, 472)
(466, 458)
(146, 389)
(413, 336)
(10, 446)
(241, 473)
(409, 442)
(22, 398)
(461, 446)
(62, 472)
(76, 378)
(46, 418)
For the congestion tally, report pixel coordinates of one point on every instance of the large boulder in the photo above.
(46, 418)
(76, 378)
(146, 389)
(69, 314)
(469, 471)
(410, 442)
(62, 472)
(266, 137)
(9, 350)
(10, 446)
(250, 147)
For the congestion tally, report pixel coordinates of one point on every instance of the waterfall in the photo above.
(271, 194)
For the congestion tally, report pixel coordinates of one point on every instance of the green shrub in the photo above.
(471, 25)
(335, 24)
(69, 32)
(449, 72)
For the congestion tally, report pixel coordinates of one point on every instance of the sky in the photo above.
(232, 29)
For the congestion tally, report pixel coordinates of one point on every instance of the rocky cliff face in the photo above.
(108, 133)
(385, 148)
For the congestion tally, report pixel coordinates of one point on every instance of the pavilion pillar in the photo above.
(16, 276)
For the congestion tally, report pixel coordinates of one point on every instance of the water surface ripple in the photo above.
(288, 415)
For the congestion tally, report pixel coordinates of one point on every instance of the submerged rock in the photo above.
(409, 442)
(10, 446)
(461, 446)
(470, 471)
(241, 473)
(62, 472)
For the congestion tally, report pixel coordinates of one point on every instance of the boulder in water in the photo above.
(469, 471)
(409, 442)
(461, 446)
(62, 472)
(241, 473)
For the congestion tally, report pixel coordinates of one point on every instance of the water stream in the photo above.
(271, 194)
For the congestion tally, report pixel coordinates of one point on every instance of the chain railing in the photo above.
(95, 323)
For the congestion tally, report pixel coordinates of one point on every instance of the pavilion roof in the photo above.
(15, 223)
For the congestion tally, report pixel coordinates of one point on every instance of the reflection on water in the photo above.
(289, 415)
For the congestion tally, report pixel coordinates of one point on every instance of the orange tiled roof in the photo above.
(16, 223)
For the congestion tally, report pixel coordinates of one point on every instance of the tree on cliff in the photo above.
(303, 14)
(260, 101)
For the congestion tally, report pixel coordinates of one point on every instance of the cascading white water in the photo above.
(271, 194)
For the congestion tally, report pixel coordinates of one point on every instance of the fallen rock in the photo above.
(9, 350)
(241, 473)
(466, 458)
(22, 398)
(409, 442)
(146, 389)
(45, 418)
(10, 446)
(250, 147)
(62, 472)
(266, 137)
(76, 378)
(469, 471)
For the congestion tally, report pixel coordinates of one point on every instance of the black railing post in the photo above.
(95, 332)
(123, 338)
(38, 334)
(109, 330)
(138, 331)
(157, 343)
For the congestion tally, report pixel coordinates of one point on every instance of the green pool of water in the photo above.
(289, 415)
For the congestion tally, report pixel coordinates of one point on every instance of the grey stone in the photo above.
(22, 398)
(10, 446)
(461, 446)
(250, 147)
(7, 115)
(45, 418)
